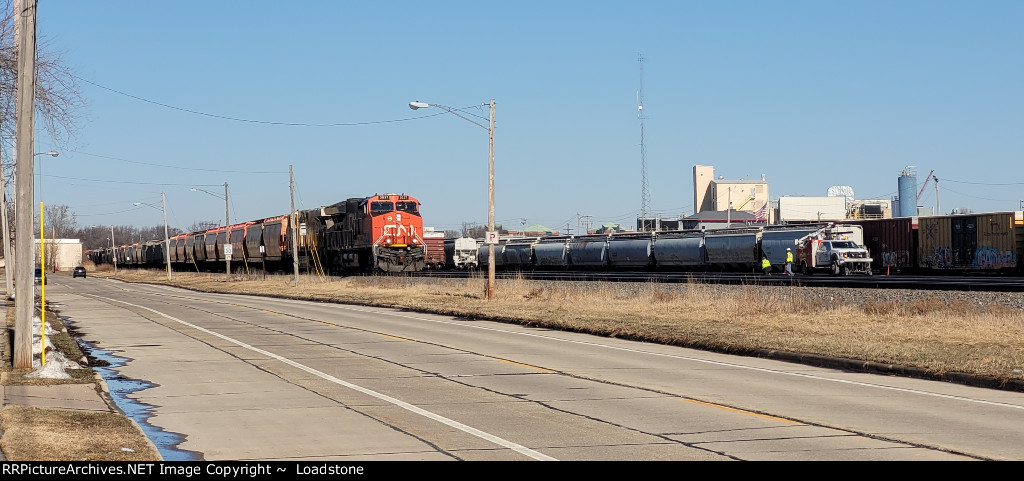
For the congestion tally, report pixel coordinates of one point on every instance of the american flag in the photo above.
(761, 213)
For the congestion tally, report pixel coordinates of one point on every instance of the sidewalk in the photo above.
(75, 397)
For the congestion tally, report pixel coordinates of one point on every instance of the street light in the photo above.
(42, 245)
(227, 228)
(167, 239)
(113, 250)
(492, 236)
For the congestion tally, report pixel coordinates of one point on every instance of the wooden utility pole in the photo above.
(24, 301)
(227, 236)
(295, 231)
(8, 250)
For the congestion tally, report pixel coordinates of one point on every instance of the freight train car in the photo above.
(433, 244)
(990, 242)
(383, 232)
(892, 243)
(460, 253)
(726, 249)
(973, 242)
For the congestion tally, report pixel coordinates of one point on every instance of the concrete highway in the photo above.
(227, 377)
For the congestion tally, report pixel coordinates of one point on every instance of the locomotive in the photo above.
(381, 233)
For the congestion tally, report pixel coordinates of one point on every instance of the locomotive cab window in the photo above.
(378, 208)
(410, 207)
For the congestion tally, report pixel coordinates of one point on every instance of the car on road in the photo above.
(39, 276)
(79, 272)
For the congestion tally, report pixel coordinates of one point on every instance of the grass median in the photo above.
(978, 334)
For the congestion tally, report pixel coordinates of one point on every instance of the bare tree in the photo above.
(60, 222)
(58, 97)
(204, 225)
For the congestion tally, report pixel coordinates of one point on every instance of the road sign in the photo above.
(227, 251)
(492, 238)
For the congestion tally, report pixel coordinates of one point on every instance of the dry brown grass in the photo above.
(34, 434)
(931, 334)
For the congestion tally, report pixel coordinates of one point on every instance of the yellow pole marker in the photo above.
(42, 288)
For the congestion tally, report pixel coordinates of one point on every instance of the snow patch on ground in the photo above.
(56, 364)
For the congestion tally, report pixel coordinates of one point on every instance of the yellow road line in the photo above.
(523, 365)
(741, 411)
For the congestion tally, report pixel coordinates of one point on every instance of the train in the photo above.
(378, 233)
(982, 243)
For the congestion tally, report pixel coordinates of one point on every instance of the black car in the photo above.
(79, 272)
(39, 276)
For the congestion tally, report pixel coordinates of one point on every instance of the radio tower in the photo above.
(645, 194)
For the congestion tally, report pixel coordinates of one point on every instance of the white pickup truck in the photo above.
(839, 257)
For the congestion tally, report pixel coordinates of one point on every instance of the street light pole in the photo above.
(227, 227)
(113, 249)
(491, 234)
(167, 238)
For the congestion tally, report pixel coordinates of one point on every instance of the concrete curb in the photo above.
(894, 369)
(104, 392)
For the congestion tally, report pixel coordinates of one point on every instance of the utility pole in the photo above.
(113, 249)
(937, 211)
(227, 235)
(8, 249)
(24, 303)
(490, 205)
(167, 239)
(295, 231)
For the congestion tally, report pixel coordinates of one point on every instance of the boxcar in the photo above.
(433, 244)
(973, 242)
(892, 243)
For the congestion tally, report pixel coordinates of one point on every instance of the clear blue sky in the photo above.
(811, 94)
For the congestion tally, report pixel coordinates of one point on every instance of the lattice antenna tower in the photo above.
(645, 194)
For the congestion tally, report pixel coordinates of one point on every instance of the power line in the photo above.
(180, 167)
(132, 182)
(252, 121)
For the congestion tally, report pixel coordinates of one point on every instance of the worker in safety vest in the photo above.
(766, 266)
(789, 261)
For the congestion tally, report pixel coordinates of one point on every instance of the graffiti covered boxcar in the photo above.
(977, 242)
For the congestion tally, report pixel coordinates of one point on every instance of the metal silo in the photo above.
(908, 192)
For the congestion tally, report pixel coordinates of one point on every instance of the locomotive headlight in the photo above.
(387, 240)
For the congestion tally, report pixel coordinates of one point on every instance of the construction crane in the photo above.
(925, 184)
